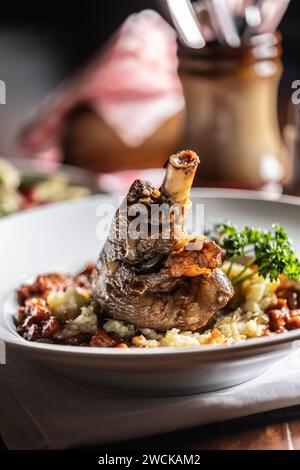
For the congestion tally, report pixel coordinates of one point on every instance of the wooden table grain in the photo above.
(275, 430)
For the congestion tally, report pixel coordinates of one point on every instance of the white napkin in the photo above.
(41, 410)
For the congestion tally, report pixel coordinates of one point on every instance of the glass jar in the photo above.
(231, 112)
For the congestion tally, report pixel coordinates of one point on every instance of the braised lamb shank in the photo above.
(165, 279)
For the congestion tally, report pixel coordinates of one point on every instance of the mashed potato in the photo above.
(85, 322)
(66, 305)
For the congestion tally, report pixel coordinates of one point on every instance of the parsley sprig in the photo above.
(270, 253)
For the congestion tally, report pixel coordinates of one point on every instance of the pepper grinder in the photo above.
(231, 113)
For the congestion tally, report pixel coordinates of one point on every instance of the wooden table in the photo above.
(276, 430)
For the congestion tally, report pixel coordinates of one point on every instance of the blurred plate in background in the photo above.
(28, 183)
(34, 170)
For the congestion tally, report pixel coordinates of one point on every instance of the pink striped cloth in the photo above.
(132, 84)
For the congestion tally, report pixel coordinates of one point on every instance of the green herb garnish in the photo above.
(270, 253)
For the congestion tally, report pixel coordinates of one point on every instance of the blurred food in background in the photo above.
(28, 184)
(10, 179)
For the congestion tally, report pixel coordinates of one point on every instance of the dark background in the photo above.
(42, 43)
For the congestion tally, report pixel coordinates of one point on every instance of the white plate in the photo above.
(64, 237)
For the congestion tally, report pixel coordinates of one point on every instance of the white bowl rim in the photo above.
(265, 342)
